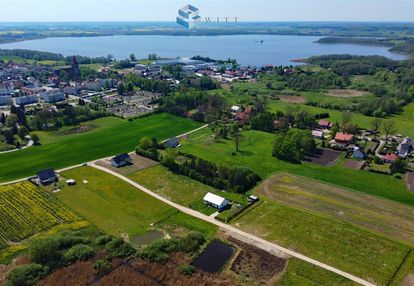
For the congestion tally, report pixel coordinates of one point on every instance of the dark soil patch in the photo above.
(135, 272)
(353, 164)
(324, 157)
(256, 264)
(79, 129)
(293, 99)
(410, 181)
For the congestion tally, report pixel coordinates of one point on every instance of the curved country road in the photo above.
(235, 232)
(257, 241)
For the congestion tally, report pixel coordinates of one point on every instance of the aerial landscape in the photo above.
(207, 143)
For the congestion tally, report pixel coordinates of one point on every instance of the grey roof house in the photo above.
(121, 160)
(406, 147)
(172, 142)
(47, 177)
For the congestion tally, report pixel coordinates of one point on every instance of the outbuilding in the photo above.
(215, 201)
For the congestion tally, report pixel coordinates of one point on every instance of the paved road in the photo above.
(247, 237)
(29, 144)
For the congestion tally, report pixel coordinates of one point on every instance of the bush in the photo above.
(119, 248)
(45, 251)
(187, 270)
(70, 239)
(79, 252)
(102, 267)
(103, 239)
(26, 275)
(160, 250)
(152, 254)
(192, 242)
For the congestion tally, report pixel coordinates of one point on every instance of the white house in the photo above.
(215, 201)
(317, 134)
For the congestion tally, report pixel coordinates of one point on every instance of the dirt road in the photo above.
(237, 233)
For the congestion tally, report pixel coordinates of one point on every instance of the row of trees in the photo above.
(46, 118)
(237, 179)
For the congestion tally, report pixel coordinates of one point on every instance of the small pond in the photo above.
(147, 238)
(214, 257)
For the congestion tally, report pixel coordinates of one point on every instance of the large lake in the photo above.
(247, 49)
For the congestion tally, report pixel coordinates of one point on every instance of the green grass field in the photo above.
(305, 274)
(111, 136)
(118, 208)
(384, 217)
(256, 154)
(344, 246)
(179, 188)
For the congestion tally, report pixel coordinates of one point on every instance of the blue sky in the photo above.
(246, 10)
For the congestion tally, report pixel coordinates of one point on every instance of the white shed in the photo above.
(235, 109)
(215, 201)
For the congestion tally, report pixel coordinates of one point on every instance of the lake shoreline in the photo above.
(248, 49)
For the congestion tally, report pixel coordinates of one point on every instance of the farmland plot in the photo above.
(26, 210)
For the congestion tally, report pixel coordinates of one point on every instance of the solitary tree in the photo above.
(388, 127)
(237, 138)
(346, 118)
(132, 57)
(376, 125)
(121, 88)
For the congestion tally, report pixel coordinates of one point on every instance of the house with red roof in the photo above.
(344, 138)
(324, 124)
(389, 158)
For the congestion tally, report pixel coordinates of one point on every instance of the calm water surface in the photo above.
(247, 49)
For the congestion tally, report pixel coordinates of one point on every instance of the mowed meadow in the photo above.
(108, 137)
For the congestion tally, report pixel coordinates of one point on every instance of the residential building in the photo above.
(406, 147)
(26, 99)
(121, 160)
(358, 153)
(323, 124)
(317, 134)
(5, 100)
(47, 177)
(344, 138)
(173, 142)
(215, 201)
(52, 96)
(389, 158)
